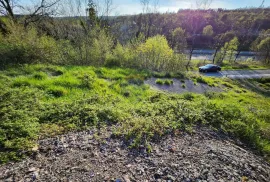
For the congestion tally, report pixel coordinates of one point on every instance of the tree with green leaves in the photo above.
(208, 30)
(264, 47)
(231, 47)
(179, 42)
(261, 45)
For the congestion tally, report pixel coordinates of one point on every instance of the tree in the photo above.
(264, 47)
(155, 54)
(261, 44)
(179, 42)
(208, 30)
(7, 8)
(232, 46)
(34, 13)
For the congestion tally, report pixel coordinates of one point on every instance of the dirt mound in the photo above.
(204, 155)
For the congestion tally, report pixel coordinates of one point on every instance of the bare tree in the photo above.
(34, 12)
(203, 4)
(7, 7)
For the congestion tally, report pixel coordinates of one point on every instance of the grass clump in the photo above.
(160, 82)
(183, 86)
(168, 82)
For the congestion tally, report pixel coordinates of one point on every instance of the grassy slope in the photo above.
(40, 101)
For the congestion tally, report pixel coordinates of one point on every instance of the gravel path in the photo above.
(177, 86)
(202, 156)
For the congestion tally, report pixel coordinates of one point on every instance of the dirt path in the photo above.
(202, 156)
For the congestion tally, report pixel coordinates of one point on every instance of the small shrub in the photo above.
(182, 81)
(168, 82)
(183, 86)
(188, 96)
(160, 82)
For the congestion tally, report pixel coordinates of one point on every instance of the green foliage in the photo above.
(84, 97)
(159, 82)
(26, 46)
(179, 42)
(183, 86)
(208, 30)
(155, 54)
(168, 82)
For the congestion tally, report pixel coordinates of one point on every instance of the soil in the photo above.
(176, 87)
(95, 155)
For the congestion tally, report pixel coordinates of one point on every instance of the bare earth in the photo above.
(202, 156)
(177, 86)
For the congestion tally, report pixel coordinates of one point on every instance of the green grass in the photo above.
(36, 103)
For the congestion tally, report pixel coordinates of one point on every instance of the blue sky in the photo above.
(134, 7)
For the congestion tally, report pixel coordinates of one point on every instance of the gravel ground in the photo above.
(203, 156)
(177, 86)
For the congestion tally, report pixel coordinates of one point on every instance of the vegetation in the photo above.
(69, 74)
(164, 82)
(36, 103)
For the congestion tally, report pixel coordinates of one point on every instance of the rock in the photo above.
(170, 177)
(32, 169)
(85, 159)
(172, 149)
(126, 178)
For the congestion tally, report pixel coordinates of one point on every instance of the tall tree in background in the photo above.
(179, 42)
(208, 30)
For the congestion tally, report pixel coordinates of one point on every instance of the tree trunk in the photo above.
(190, 56)
(238, 53)
(215, 55)
(267, 56)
